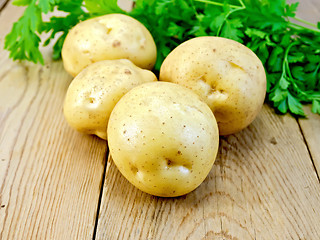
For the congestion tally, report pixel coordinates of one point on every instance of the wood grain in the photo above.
(50, 175)
(262, 186)
(310, 11)
(311, 130)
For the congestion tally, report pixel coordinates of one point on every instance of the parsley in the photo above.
(24, 39)
(290, 52)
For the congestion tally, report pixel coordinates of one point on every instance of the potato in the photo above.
(227, 75)
(112, 36)
(163, 138)
(95, 91)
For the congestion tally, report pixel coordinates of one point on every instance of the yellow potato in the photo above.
(227, 75)
(163, 138)
(95, 91)
(112, 36)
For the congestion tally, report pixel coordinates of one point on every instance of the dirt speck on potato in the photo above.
(127, 71)
(116, 43)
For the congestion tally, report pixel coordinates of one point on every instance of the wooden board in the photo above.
(50, 175)
(262, 186)
(54, 181)
(308, 10)
(310, 127)
(259, 188)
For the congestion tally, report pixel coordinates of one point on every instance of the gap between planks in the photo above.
(310, 131)
(265, 206)
(106, 162)
(3, 4)
(308, 148)
(106, 157)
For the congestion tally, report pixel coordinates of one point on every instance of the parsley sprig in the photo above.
(289, 51)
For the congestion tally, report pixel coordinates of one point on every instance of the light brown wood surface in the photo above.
(262, 186)
(3, 3)
(50, 175)
(310, 128)
(56, 183)
(308, 10)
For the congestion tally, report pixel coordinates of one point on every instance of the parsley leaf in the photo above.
(315, 106)
(102, 7)
(23, 41)
(295, 106)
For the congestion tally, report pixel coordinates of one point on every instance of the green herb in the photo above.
(289, 52)
(24, 39)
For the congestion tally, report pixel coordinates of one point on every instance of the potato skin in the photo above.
(163, 138)
(95, 91)
(227, 75)
(112, 36)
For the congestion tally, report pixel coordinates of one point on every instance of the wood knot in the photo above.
(273, 140)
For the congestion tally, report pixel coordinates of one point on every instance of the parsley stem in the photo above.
(317, 69)
(242, 4)
(299, 27)
(227, 15)
(219, 4)
(286, 67)
(286, 72)
(305, 22)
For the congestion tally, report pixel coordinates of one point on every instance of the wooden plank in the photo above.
(50, 175)
(125, 4)
(311, 130)
(262, 186)
(310, 127)
(309, 10)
